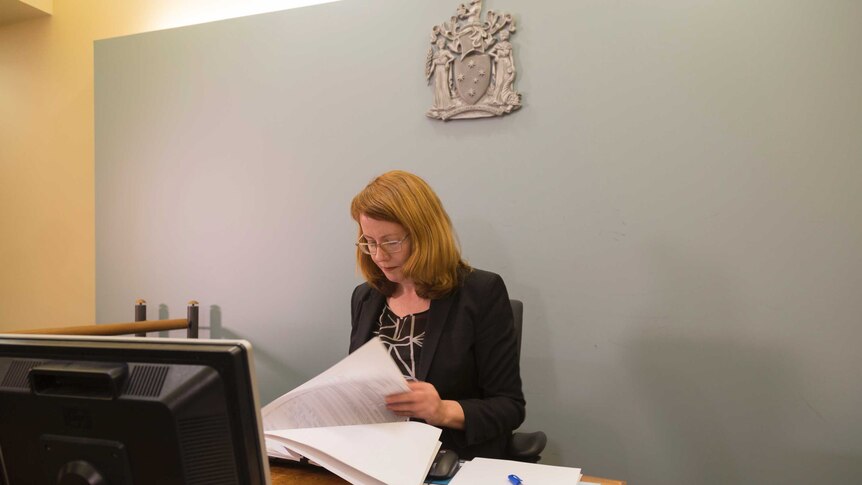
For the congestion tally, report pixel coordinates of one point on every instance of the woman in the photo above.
(447, 326)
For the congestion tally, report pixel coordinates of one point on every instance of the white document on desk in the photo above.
(482, 471)
(350, 392)
(368, 454)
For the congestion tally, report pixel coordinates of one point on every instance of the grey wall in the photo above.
(678, 204)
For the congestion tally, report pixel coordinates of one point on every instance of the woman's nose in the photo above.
(380, 255)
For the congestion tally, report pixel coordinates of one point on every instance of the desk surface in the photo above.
(312, 475)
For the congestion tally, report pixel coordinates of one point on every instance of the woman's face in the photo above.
(391, 263)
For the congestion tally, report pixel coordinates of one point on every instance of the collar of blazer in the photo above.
(437, 319)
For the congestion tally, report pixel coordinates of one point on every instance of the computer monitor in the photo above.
(109, 410)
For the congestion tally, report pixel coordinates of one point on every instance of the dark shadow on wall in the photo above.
(215, 328)
(164, 314)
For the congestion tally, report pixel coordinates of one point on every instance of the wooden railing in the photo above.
(139, 327)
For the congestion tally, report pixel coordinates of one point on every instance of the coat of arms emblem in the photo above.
(471, 65)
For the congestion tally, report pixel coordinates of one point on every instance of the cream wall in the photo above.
(47, 244)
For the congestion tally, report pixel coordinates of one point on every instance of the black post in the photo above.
(140, 314)
(193, 319)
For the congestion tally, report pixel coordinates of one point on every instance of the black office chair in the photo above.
(524, 446)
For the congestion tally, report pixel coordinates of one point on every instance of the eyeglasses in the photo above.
(388, 247)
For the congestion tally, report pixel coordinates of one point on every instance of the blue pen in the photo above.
(515, 479)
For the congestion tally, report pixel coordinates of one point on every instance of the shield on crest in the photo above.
(472, 77)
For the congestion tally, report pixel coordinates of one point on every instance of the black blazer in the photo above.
(469, 355)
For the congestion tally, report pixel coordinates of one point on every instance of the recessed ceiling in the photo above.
(12, 11)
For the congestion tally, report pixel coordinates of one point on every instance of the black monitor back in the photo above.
(129, 411)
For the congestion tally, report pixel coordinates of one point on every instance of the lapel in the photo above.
(368, 317)
(437, 317)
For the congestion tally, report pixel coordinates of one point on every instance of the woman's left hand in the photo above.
(423, 402)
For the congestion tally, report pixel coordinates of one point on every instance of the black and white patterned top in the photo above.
(403, 338)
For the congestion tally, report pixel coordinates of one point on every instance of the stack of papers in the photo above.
(381, 453)
(339, 420)
(353, 391)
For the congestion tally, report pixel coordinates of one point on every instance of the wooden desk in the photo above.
(312, 475)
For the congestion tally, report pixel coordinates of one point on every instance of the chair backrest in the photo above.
(526, 447)
(518, 317)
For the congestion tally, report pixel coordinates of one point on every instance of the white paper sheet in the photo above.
(277, 449)
(350, 392)
(381, 453)
(482, 471)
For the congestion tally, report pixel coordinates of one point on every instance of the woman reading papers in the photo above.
(448, 326)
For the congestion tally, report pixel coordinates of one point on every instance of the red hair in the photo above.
(435, 265)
